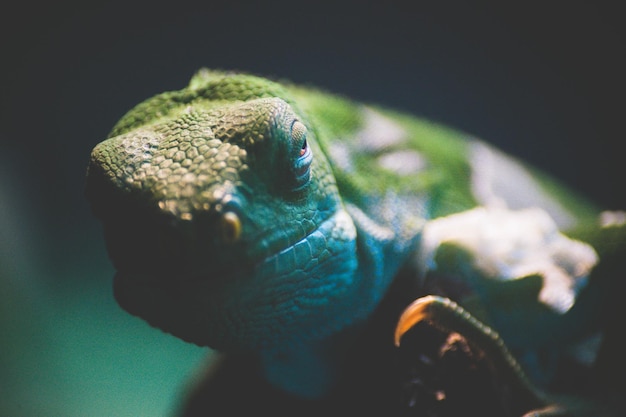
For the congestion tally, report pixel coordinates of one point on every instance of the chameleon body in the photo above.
(269, 220)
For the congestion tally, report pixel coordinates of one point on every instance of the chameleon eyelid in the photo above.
(298, 131)
(301, 167)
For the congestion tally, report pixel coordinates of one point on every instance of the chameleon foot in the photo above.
(446, 315)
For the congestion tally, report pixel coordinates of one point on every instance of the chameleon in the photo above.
(276, 223)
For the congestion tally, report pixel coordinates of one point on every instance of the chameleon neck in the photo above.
(312, 370)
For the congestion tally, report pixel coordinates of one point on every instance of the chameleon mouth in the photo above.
(152, 250)
(254, 306)
(155, 253)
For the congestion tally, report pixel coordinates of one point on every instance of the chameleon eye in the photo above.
(302, 164)
(304, 149)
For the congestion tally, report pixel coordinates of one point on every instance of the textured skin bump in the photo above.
(187, 163)
(207, 88)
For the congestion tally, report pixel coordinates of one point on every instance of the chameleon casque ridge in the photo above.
(269, 221)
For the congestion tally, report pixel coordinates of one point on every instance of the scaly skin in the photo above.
(265, 219)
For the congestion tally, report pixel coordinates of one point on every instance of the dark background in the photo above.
(543, 81)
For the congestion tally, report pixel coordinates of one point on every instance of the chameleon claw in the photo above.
(419, 310)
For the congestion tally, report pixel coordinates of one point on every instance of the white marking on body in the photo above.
(402, 162)
(612, 218)
(378, 132)
(498, 180)
(340, 154)
(508, 245)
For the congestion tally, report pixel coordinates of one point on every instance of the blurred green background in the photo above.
(545, 83)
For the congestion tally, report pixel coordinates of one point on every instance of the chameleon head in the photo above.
(223, 221)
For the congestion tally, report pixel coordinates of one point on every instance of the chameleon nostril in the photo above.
(229, 227)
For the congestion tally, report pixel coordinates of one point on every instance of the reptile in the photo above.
(276, 223)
